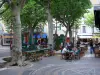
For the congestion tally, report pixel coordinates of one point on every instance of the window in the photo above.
(84, 29)
(6, 40)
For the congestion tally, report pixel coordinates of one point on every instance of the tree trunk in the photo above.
(31, 34)
(75, 36)
(70, 35)
(17, 43)
(56, 28)
(50, 28)
(65, 37)
(92, 29)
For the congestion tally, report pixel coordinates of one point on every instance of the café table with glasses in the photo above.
(72, 54)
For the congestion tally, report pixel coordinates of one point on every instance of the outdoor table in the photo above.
(69, 54)
(82, 45)
(82, 48)
(70, 51)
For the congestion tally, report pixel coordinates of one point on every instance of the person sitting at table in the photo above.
(76, 51)
(69, 45)
(64, 50)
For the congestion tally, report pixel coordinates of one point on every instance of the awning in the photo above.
(44, 36)
(85, 37)
(40, 36)
(34, 36)
(96, 36)
(37, 36)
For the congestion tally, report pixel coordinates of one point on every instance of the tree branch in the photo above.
(8, 18)
(62, 21)
(22, 3)
(2, 3)
(39, 2)
(4, 10)
(72, 24)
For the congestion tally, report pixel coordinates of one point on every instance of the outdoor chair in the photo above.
(77, 55)
(97, 52)
(68, 55)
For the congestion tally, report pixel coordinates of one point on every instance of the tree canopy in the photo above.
(89, 19)
(68, 11)
(32, 14)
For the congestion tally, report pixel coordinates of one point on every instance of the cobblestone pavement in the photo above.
(4, 51)
(66, 70)
(88, 65)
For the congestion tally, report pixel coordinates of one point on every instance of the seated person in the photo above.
(76, 50)
(69, 45)
(63, 52)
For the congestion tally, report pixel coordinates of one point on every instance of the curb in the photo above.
(57, 53)
(2, 69)
(1, 59)
(17, 67)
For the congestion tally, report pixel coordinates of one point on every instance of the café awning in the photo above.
(85, 37)
(96, 37)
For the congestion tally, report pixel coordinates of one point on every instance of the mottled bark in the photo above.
(50, 28)
(56, 28)
(75, 36)
(65, 37)
(70, 35)
(17, 44)
(92, 29)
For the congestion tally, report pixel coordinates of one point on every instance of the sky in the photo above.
(95, 2)
(2, 25)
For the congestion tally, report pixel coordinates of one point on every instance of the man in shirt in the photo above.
(63, 52)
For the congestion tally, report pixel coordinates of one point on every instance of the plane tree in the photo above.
(68, 12)
(89, 20)
(46, 4)
(32, 15)
(15, 6)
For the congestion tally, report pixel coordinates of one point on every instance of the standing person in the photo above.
(78, 43)
(91, 47)
(39, 41)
